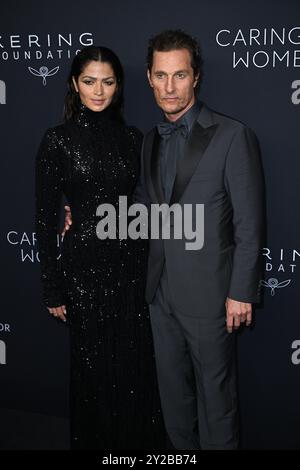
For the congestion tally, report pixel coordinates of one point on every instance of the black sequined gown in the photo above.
(114, 399)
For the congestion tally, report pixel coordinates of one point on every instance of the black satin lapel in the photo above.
(155, 168)
(194, 150)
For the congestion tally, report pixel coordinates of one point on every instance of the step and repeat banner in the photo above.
(252, 73)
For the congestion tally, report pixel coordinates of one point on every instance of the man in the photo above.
(197, 298)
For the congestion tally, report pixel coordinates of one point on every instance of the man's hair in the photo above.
(171, 40)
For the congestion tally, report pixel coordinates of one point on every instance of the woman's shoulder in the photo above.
(53, 140)
(54, 132)
(133, 130)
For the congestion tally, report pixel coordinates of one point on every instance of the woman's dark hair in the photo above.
(80, 61)
(171, 40)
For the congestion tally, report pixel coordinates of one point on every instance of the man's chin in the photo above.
(171, 109)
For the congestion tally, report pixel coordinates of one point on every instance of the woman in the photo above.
(97, 286)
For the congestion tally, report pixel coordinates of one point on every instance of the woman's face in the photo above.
(96, 85)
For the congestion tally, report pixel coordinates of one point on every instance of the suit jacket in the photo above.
(220, 168)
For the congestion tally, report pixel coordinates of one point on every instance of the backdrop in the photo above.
(252, 60)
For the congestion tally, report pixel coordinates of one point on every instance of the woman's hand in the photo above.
(68, 219)
(59, 312)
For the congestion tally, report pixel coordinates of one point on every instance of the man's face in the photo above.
(173, 81)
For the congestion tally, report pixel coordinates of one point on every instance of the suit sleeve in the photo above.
(245, 185)
(48, 195)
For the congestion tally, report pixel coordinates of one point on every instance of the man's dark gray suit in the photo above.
(219, 167)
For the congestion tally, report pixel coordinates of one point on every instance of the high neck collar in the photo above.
(88, 118)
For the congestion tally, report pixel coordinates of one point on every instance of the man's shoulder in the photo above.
(232, 128)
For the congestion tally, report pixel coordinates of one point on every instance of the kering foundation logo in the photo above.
(282, 261)
(42, 47)
(273, 284)
(43, 72)
(262, 48)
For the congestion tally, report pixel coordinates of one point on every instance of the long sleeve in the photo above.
(48, 194)
(245, 185)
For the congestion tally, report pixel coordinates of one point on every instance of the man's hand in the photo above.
(68, 219)
(59, 312)
(237, 313)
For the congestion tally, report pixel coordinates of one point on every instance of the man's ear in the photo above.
(75, 84)
(149, 78)
(196, 80)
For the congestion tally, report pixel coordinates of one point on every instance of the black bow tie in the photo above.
(165, 129)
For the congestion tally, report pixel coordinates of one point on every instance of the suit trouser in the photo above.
(195, 361)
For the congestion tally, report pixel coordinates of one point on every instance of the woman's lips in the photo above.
(98, 101)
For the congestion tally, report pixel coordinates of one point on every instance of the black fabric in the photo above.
(172, 143)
